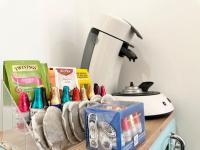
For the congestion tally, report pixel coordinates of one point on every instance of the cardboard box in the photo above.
(115, 125)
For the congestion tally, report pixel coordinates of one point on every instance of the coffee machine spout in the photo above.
(124, 51)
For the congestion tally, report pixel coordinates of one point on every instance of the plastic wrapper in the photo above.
(14, 131)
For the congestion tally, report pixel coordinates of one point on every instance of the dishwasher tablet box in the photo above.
(115, 125)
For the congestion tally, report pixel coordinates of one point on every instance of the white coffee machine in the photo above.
(105, 49)
(103, 56)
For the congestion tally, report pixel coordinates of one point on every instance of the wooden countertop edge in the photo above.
(77, 147)
(151, 139)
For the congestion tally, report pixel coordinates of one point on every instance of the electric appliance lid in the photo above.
(141, 90)
(132, 89)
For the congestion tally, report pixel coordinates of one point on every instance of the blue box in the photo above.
(117, 125)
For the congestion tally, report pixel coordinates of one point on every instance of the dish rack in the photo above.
(13, 129)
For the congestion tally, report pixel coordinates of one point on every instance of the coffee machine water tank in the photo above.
(105, 49)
